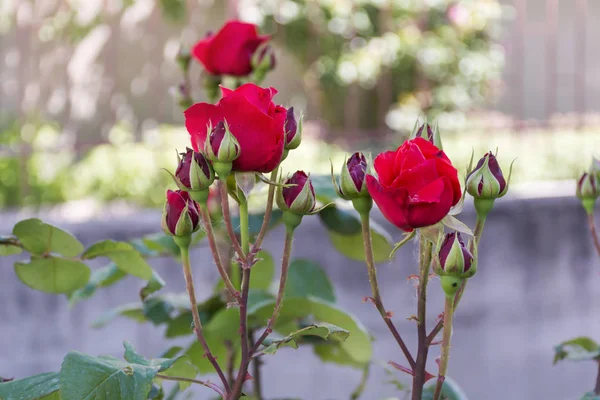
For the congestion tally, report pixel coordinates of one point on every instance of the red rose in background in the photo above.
(254, 120)
(229, 51)
(417, 185)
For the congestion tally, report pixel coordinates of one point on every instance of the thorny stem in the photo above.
(376, 296)
(592, 224)
(208, 384)
(245, 239)
(227, 220)
(268, 211)
(477, 232)
(189, 284)
(285, 263)
(256, 364)
(210, 235)
(448, 311)
(597, 388)
(423, 345)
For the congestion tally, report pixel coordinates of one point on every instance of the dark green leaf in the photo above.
(341, 220)
(263, 271)
(40, 238)
(53, 274)
(578, 349)
(161, 243)
(307, 278)
(323, 330)
(352, 246)
(155, 283)
(35, 387)
(323, 187)
(83, 377)
(450, 390)
(590, 396)
(124, 255)
(157, 310)
(102, 277)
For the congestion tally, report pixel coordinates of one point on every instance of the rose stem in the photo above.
(423, 345)
(592, 224)
(448, 311)
(372, 271)
(189, 284)
(227, 220)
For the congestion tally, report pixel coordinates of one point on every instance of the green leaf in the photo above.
(83, 377)
(132, 356)
(133, 311)
(40, 386)
(352, 246)
(590, 396)
(8, 249)
(102, 277)
(40, 238)
(155, 283)
(53, 275)
(323, 330)
(341, 220)
(184, 368)
(123, 254)
(324, 187)
(181, 325)
(578, 349)
(450, 391)
(263, 271)
(307, 278)
(357, 347)
(162, 243)
(255, 221)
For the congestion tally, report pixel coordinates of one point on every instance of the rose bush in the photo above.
(230, 50)
(416, 185)
(254, 120)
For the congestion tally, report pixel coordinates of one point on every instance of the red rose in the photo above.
(254, 120)
(229, 51)
(417, 185)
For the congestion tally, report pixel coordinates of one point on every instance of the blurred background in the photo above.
(88, 119)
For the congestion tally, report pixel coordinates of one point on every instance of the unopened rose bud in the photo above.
(180, 215)
(456, 263)
(587, 191)
(263, 61)
(293, 130)
(486, 183)
(429, 133)
(222, 148)
(296, 198)
(353, 185)
(194, 174)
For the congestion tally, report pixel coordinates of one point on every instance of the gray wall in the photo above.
(537, 285)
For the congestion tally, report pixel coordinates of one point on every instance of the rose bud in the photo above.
(296, 198)
(486, 183)
(587, 191)
(415, 186)
(263, 61)
(353, 185)
(180, 215)
(293, 130)
(455, 263)
(432, 135)
(222, 148)
(194, 174)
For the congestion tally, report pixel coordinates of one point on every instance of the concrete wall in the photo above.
(538, 284)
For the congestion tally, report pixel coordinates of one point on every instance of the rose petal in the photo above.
(431, 204)
(391, 202)
(197, 118)
(416, 178)
(384, 166)
(259, 97)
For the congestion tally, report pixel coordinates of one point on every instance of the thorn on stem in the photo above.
(435, 342)
(389, 314)
(440, 317)
(401, 368)
(368, 299)
(413, 318)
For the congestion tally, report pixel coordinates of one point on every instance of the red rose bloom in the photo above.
(229, 51)
(254, 120)
(417, 185)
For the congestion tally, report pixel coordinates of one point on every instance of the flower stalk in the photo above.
(376, 295)
(448, 314)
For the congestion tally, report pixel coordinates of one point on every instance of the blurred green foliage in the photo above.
(439, 56)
